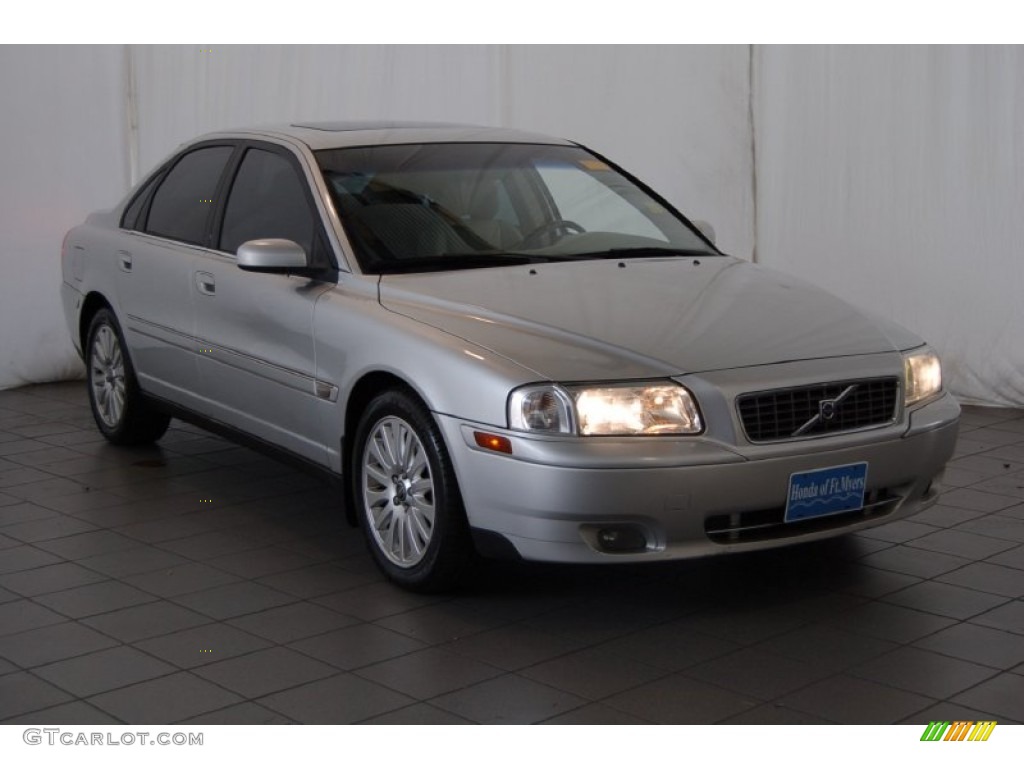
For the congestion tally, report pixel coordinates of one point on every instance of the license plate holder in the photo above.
(826, 491)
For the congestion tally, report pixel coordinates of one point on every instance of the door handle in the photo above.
(206, 283)
(124, 261)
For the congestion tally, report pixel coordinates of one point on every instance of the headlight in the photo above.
(922, 375)
(657, 409)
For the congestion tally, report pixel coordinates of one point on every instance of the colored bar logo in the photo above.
(960, 730)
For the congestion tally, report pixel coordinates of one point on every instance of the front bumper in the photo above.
(690, 498)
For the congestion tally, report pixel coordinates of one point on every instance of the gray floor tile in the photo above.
(202, 645)
(1006, 530)
(52, 643)
(264, 672)
(852, 701)
(47, 528)
(593, 673)
(246, 713)
(899, 532)
(206, 546)
(231, 600)
(923, 672)
(23, 558)
(143, 621)
(775, 714)
(417, 714)
(167, 528)
(682, 701)
(892, 622)
(336, 700)
(49, 578)
(24, 512)
(21, 693)
(825, 648)
(103, 671)
(512, 647)
(508, 699)
(983, 645)
(757, 674)
(977, 500)
(1003, 695)
(181, 579)
(963, 543)
(439, 623)
(987, 577)
(428, 673)
(93, 599)
(164, 700)
(72, 713)
(1013, 558)
(373, 601)
(315, 581)
(357, 646)
(946, 517)
(254, 563)
(44, 488)
(21, 615)
(1009, 617)
(293, 622)
(945, 599)
(864, 581)
(127, 562)
(914, 562)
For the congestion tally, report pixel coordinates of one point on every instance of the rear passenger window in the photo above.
(132, 215)
(267, 199)
(182, 204)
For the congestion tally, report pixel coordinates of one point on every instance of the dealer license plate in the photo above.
(829, 491)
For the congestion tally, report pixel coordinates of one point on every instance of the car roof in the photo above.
(332, 135)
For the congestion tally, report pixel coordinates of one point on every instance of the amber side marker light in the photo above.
(493, 442)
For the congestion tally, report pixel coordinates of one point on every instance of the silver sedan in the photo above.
(502, 343)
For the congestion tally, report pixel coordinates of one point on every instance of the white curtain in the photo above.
(63, 148)
(894, 177)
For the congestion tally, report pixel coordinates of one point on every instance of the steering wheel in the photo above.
(552, 227)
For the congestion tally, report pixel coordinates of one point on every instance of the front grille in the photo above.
(840, 406)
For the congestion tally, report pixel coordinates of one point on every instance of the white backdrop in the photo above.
(894, 176)
(676, 116)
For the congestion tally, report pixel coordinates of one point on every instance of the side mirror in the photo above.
(705, 229)
(271, 255)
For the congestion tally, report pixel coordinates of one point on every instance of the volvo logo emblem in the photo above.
(827, 410)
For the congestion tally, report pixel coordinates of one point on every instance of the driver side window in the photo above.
(267, 199)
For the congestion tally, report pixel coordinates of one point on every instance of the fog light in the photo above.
(621, 538)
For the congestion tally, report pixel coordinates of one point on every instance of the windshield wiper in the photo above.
(642, 251)
(449, 261)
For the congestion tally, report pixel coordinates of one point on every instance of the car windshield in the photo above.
(425, 207)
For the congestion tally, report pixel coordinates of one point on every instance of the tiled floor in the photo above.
(199, 582)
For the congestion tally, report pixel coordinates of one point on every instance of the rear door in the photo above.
(254, 330)
(168, 225)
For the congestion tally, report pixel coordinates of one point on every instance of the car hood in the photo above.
(589, 320)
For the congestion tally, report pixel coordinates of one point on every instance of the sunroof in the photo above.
(367, 125)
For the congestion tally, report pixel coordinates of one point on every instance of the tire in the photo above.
(407, 497)
(121, 411)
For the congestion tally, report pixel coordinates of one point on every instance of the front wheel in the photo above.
(407, 496)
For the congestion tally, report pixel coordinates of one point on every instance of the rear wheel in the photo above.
(120, 409)
(407, 496)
